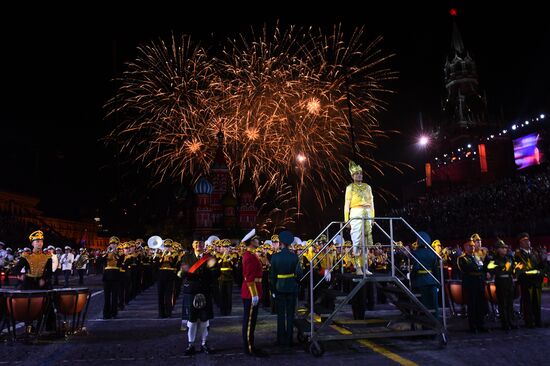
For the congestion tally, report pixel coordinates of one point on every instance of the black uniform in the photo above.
(530, 281)
(473, 289)
(503, 269)
(125, 283)
(166, 284)
(200, 281)
(147, 266)
(111, 285)
(226, 285)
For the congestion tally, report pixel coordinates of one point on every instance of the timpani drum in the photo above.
(71, 304)
(491, 292)
(453, 289)
(25, 306)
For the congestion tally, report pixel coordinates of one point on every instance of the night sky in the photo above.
(57, 71)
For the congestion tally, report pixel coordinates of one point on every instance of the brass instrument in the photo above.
(82, 260)
(155, 242)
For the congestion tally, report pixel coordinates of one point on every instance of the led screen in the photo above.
(528, 151)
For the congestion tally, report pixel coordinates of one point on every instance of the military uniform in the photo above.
(529, 272)
(147, 265)
(266, 296)
(111, 280)
(38, 267)
(473, 289)
(226, 281)
(199, 279)
(251, 288)
(168, 264)
(126, 277)
(422, 278)
(503, 268)
(38, 272)
(284, 274)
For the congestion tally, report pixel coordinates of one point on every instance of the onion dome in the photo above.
(203, 186)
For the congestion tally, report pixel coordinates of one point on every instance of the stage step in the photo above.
(334, 294)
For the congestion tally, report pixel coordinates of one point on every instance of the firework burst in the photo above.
(282, 98)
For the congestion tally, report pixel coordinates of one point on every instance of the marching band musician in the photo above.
(81, 263)
(529, 270)
(111, 279)
(262, 254)
(67, 260)
(359, 205)
(168, 262)
(502, 266)
(125, 276)
(57, 272)
(9, 262)
(55, 259)
(473, 287)
(37, 265)
(121, 270)
(147, 264)
(138, 268)
(226, 278)
(199, 271)
(38, 271)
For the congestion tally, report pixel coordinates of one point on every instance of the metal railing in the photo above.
(393, 246)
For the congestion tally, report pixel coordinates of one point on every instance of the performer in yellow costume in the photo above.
(359, 204)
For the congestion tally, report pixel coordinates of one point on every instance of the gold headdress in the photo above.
(36, 235)
(354, 168)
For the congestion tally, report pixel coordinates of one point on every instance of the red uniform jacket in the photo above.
(252, 275)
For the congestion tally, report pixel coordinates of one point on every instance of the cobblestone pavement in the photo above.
(139, 337)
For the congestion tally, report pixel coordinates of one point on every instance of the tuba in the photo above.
(82, 260)
(154, 242)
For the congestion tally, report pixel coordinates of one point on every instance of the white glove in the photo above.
(327, 276)
(255, 300)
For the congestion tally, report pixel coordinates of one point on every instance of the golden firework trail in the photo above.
(282, 98)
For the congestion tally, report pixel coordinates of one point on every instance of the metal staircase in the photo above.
(320, 324)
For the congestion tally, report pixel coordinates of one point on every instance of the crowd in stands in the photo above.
(500, 209)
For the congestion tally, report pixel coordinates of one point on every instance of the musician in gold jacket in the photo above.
(38, 272)
(168, 265)
(359, 206)
(111, 279)
(38, 265)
